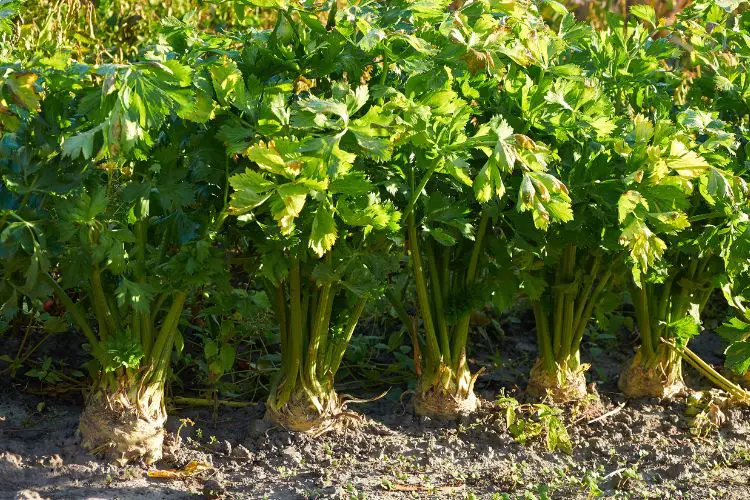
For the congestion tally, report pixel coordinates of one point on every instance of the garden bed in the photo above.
(620, 447)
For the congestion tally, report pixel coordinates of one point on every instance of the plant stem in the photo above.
(708, 371)
(437, 300)
(408, 212)
(589, 311)
(569, 305)
(585, 298)
(295, 338)
(323, 350)
(543, 337)
(640, 302)
(101, 309)
(143, 319)
(433, 355)
(162, 352)
(339, 348)
(204, 402)
(316, 333)
(557, 318)
(461, 335)
(78, 318)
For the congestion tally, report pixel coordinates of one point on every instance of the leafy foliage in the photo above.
(451, 154)
(528, 422)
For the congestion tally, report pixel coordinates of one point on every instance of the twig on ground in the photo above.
(608, 414)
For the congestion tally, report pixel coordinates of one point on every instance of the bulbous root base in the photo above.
(299, 414)
(437, 403)
(663, 381)
(121, 435)
(559, 387)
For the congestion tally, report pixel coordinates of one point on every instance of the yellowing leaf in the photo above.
(685, 162)
(645, 247)
(22, 85)
(267, 158)
(643, 130)
(323, 233)
(287, 205)
(644, 13)
(628, 202)
(191, 469)
(229, 84)
(488, 183)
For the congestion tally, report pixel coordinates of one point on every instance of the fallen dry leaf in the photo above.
(191, 469)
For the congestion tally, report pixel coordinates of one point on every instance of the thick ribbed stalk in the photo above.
(316, 333)
(569, 297)
(544, 341)
(325, 334)
(303, 396)
(295, 341)
(162, 351)
(339, 348)
(437, 300)
(568, 306)
(660, 322)
(142, 319)
(103, 315)
(707, 370)
(640, 301)
(585, 299)
(433, 355)
(589, 310)
(78, 318)
(559, 307)
(461, 335)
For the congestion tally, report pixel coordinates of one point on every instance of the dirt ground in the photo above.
(629, 449)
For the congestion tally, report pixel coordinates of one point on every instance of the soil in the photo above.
(625, 448)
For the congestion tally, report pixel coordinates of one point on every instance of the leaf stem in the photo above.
(78, 318)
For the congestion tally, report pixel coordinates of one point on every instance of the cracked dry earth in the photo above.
(643, 450)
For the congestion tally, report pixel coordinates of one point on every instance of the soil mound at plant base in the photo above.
(543, 384)
(440, 404)
(124, 436)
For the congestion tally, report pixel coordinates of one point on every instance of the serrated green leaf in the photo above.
(738, 357)
(644, 13)
(323, 234)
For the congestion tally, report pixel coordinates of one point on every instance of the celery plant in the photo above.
(672, 277)
(452, 145)
(580, 281)
(566, 270)
(120, 239)
(306, 188)
(674, 234)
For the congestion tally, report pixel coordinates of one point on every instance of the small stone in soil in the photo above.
(242, 453)
(292, 453)
(258, 427)
(674, 471)
(213, 489)
(283, 439)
